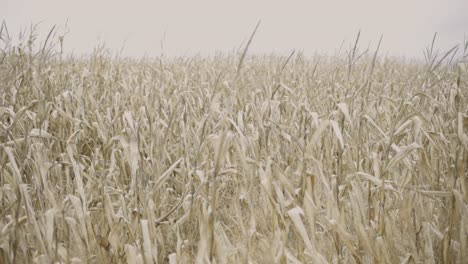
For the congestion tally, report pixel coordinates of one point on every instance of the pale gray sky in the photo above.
(209, 25)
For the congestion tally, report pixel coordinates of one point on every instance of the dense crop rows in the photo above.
(272, 160)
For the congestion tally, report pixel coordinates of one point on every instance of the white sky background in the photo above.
(207, 26)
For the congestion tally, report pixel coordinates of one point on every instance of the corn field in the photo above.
(231, 158)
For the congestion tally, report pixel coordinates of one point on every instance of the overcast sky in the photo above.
(205, 26)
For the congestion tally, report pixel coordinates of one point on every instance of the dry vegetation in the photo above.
(344, 159)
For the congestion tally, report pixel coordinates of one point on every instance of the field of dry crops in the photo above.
(341, 159)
